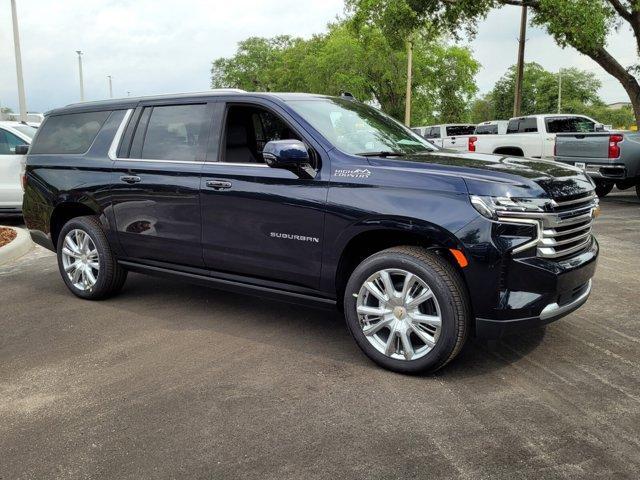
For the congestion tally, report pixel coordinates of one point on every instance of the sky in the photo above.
(151, 47)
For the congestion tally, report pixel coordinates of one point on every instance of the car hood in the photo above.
(499, 175)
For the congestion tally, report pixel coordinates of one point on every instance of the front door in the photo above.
(260, 221)
(156, 198)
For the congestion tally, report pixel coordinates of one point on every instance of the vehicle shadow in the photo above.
(298, 328)
(12, 220)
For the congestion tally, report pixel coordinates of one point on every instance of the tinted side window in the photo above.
(513, 126)
(486, 129)
(457, 130)
(69, 134)
(174, 132)
(435, 132)
(248, 129)
(8, 142)
(570, 125)
(529, 125)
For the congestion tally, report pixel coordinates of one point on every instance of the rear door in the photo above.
(10, 168)
(260, 221)
(156, 198)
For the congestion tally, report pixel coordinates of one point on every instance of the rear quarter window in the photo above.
(486, 129)
(69, 134)
(458, 130)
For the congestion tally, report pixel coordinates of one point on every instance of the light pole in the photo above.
(517, 101)
(560, 91)
(22, 103)
(79, 52)
(407, 104)
(110, 87)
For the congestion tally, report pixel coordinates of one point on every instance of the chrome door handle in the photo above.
(130, 179)
(218, 184)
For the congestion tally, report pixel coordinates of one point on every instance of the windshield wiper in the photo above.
(383, 154)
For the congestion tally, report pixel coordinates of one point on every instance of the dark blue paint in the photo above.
(173, 221)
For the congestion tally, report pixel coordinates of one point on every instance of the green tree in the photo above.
(540, 91)
(582, 24)
(482, 109)
(361, 61)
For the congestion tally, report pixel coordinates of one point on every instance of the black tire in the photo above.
(446, 284)
(110, 277)
(603, 188)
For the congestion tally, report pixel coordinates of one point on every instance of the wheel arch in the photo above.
(65, 211)
(365, 243)
(513, 151)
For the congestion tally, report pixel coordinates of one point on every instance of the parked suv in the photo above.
(312, 199)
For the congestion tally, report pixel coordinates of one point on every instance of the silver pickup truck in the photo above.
(609, 158)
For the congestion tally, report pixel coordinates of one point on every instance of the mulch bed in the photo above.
(6, 235)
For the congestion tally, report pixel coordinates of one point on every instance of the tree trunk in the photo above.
(628, 81)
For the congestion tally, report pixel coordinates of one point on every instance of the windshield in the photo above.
(570, 125)
(27, 130)
(358, 129)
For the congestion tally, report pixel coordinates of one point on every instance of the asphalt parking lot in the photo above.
(178, 381)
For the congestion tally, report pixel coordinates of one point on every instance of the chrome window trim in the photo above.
(115, 143)
(113, 149)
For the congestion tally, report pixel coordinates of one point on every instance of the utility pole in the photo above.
(517, 102)
(79, 52)
(407, 105)
(110, 87)
(560, 91)
(22, 102)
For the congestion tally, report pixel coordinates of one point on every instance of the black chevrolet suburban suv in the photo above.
(315, 199)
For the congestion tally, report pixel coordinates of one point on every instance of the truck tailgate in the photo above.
(588, 145)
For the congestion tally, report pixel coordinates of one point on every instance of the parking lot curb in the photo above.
(17, 247)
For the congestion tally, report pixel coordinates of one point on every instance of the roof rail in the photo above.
(237, 90)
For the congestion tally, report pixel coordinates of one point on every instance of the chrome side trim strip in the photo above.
(554, 310)
(113, 149)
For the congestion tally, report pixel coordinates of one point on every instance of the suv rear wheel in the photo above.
(408, 309)
(86, 263)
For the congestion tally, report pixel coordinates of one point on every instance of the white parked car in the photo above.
(12, 135)
(33, 119)
(452, 135)
(532, 136)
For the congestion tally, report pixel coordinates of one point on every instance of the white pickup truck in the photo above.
(532, 136)
(454, 136)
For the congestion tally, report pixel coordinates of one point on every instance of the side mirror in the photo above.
(599, 127)
(21, 149)
(289, 155)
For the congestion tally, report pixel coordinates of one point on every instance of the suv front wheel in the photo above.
(408, 309)
(86, 263)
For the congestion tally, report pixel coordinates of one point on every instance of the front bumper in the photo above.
(511, 292)
(486, 328)
(10, 211)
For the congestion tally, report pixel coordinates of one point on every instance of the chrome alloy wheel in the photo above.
(399, 314)
(80, 259)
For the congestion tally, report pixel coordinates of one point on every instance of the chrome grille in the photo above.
(563, 230)
(568, 229)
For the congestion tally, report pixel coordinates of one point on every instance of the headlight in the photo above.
(495, 207)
